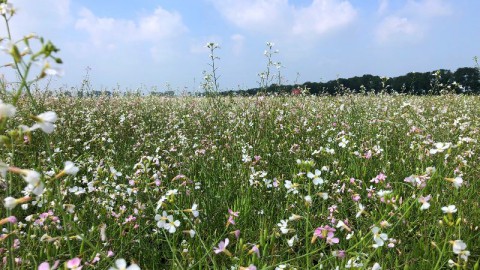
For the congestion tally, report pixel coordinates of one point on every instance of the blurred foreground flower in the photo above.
(121, 264)
(6, 110)
(45, 121)
(11, 202)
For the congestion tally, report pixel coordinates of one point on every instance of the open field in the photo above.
(353, 181)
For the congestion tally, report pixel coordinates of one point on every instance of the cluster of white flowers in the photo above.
(46, 122)
(167, 222)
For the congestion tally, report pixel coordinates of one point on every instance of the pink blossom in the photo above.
(222, 247)
(74, 264)
(324, 231)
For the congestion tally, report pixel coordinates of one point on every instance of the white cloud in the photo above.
(108, 32)
(42, 17)
(382, 6)
(412, 21)
(393, 28)
(257, 15)
(283, 17)
(428, 8)
(322, 16)
(238, 43)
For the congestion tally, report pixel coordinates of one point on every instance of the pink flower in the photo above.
(331, 239)
(250, 267)
(222, 247)
(339, 253)
(381, 177)
(236, 233)
(74, 264)
(10, 219)
(230, 221)
(232, 213)
(46, 266)
(254, 250)
(325, 232)
(424, 202)
(231, 217)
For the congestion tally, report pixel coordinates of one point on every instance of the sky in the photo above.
(160, 44)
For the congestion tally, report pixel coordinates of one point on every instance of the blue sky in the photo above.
(147, 43)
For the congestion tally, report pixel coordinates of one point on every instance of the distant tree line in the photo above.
(464, 80)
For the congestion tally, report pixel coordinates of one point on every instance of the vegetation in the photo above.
(371, 181)
(464, 80)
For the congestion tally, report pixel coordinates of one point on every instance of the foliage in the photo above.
(354, 181)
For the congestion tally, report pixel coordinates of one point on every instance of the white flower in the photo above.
(458, 246)
(343, 226)
(31, 177)
(323, 195)
(376, 266)
(382, 193)
(294, 217)
(291, 241)
(451, 263)
(361, 210)
(10, 202)
(160, 202)
(354, 263)
(161, 220)
(449, 209)
(308, 199)
(378, 237)
(6, 110)
(77, 190)
(103, 233)
(194, 210)
(171, 192)
(317, 180)
(283, 226)
(171, 225)
(51, 71)
(291, 187)
(440, 147)
(115, 173)
(457, 181)
(70, 168)
(343, 143)
(6, 8)
(121, 264)
(430, 170)
(191, 233)
(36, 189)
(45, 121)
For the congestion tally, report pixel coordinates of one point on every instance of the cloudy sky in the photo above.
(146, 43)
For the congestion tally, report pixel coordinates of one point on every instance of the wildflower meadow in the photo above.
(370, 181)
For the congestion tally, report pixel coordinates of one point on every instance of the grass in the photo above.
(239, 154)
(267, 182)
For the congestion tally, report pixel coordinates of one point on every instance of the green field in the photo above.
(271, 181)
(291, 182)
